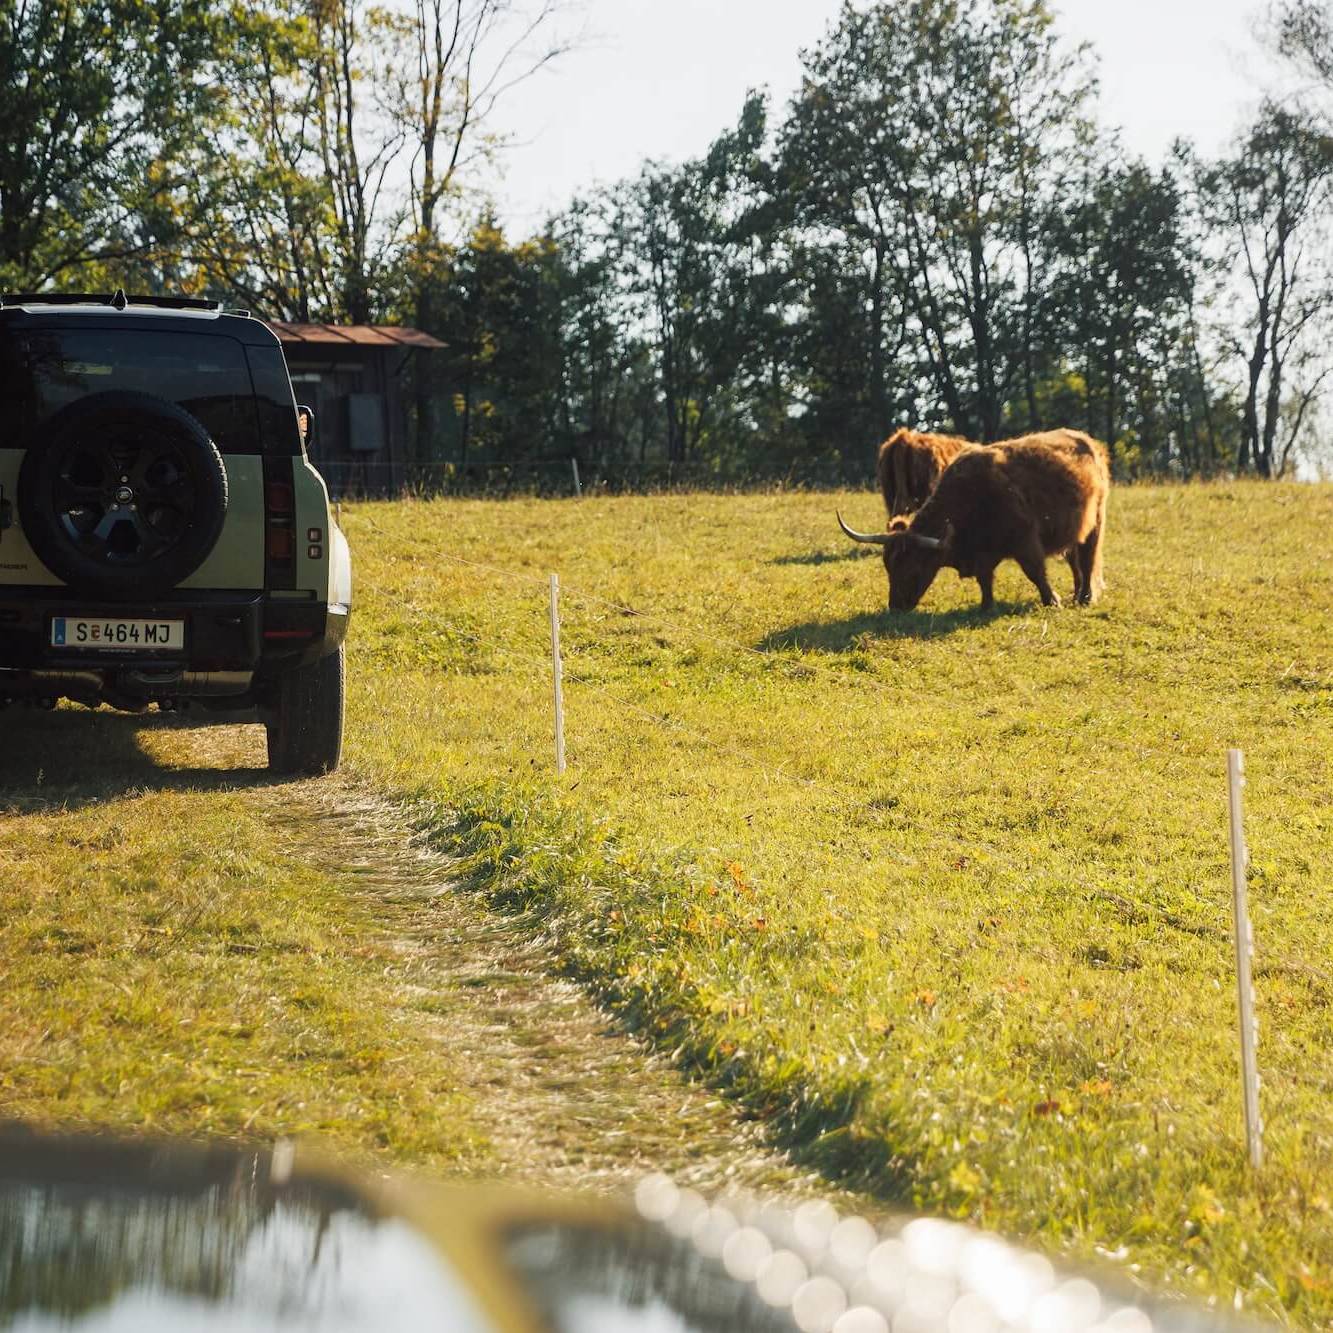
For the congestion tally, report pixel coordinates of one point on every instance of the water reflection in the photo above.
(634, 1279)
(229, 1256)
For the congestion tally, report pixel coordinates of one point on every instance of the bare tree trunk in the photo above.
(1272, 409)
(465, 429)
(878, 386)
(1249, 423)
(1202, 380)
(989, 407)
(1112, 375)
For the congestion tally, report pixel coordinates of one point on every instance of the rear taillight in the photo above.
(280, 520)
(281, 540)
(279, 524)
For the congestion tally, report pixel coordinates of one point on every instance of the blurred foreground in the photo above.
(99, 1234)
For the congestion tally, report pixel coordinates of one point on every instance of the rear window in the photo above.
(207, 374)
(274, 400)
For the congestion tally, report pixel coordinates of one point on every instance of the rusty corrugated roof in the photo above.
(362, 335)
(408, 337)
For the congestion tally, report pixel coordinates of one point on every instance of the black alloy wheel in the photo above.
(124, 495)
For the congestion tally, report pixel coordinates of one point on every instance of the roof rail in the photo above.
(117, 299)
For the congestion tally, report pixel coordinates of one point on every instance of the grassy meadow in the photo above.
(944, 895)
(169, 967)
(191, 947)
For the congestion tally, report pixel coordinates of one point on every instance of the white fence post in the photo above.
(1249, 1023)
(578, 485)
(557, 676)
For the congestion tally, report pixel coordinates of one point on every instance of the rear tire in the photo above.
(305, 732)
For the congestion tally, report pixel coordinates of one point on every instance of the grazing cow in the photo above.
(1023, 500)
(909, 465)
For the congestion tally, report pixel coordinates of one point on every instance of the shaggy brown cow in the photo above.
(910, 463)
(1023, 500)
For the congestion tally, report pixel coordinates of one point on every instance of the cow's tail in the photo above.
(913, 472)
(1101, 458)
(885, 470)
(1096, 578)
(895, 480)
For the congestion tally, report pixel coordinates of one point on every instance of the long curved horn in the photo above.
(930, 543)
(874, 539)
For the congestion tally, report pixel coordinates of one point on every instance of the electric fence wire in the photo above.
(962, 847)
(710, 638)
(746, 758)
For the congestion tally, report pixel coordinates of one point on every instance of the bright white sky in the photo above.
(661, 78)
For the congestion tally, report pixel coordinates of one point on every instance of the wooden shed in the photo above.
(351, 375)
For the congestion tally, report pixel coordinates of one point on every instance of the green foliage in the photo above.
(935, 135)
(1126, 301)
(95, 98)
(492, 304)
(934, 231)
(605, 391)
(254, 213)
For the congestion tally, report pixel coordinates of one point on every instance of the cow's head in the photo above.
(911, 559)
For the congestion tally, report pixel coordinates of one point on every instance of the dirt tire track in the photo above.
(564, 1097)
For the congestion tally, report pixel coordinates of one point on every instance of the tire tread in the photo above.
(305, 733)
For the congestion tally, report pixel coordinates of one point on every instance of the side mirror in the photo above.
(305, 423)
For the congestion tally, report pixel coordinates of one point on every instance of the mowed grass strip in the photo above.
(945, 894)
(168, 966)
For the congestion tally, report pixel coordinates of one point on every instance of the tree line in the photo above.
(936, 229)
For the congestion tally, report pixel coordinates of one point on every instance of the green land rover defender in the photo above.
(163, 537)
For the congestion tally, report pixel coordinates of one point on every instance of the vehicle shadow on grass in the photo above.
(73, 757)
(841, 636)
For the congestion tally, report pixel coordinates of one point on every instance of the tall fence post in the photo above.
(557, 675)
(578, 485)
(1249, 1023)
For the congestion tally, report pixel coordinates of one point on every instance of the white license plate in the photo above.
(117, 635)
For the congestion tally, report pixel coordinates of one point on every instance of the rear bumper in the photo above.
(232, 640)
(299, 632)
